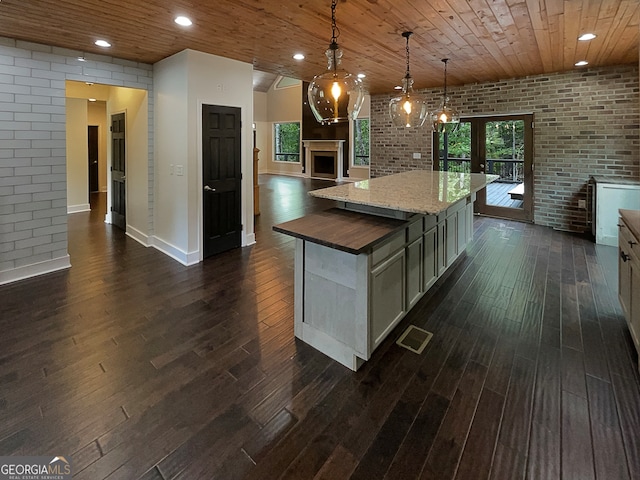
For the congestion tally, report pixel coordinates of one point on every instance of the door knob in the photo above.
(207, 188)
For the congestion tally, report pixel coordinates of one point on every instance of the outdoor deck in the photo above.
(497, 194)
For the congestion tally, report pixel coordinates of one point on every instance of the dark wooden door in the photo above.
(221, 178)
(93, 158)
(118, 163)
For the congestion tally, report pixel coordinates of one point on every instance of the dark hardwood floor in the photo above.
(140, 368)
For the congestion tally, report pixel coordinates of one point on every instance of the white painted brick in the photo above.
(33, 153)
(51, 247)
(94, 57)
(50, 213)
(33, 82)
(32, 117)
(59, 118)
(32, 225)
(6, 60)
(6, 42)
(31, 63)
(15, 218)
(52, 195)
(7, 97)
(59, 169)
(127, 77)
(46, 161)
(15, 107)
(49, 230)
(62, 67)
(48, 143)
(6, 209)
(10, 161)
(6, 171)
(5, 266)
(7, 247)
(17, 254)
(15, 89)
(4, 181)
(34, 188)
(6, 78)
(6, 230)
(32, 99)
(66, 52)
(21, 262)
(59, 203)
(53, 109)
(59, 186)
(32, 47)
(16, 144)
(33, 206)
(48, 74)
(48, 178)
(48, 92)
(6, 116)
(59, 237)
(32, 170)
(33, 241)
(49, 57)
(62, 219)
(50, 127)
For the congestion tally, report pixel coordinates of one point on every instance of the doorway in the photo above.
(118, 171)
(221, 178)
(93, 149)
(500, 145)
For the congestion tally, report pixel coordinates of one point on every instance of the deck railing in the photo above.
(509, 170)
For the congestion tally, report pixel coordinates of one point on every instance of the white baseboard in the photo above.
(83, 207)
(40, 268)
(174, 252)
(248, 239)
(137, 235)
(107, 218)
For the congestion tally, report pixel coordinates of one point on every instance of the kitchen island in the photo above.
(361, 267)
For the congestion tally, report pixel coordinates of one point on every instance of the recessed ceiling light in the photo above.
(103, 43)
(184, 21)
(361, 75)
(397, 87)
(299, 56)
(587, 36)
(82, 59)
(89, 83)
(582, 63)
(92, 99)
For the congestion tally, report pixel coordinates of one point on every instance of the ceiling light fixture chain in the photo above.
(407, 35)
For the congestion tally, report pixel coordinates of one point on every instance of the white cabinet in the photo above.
(609, 197)
(346, 304)
(629, 279)
(387, 297)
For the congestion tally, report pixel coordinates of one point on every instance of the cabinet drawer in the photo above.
(388, 248)
(414, 231)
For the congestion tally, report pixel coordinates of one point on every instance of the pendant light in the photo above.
(446, 119)
(408, 109)
(335, 95)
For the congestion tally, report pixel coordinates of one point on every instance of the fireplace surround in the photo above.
(324, 158)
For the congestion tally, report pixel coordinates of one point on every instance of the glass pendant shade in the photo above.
(335, 95)
(446, 119)
(409, 109)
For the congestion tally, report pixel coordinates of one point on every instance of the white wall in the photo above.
(77, 165)
(183, 83)
(134, 104)
(263, 129)
(360, 173)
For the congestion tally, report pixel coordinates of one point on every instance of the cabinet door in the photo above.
(452, 238)
(624, 277)
(461, 230)
(442, 247)
(388, 294)
(634, 301)
(430, 271)
(414, 272)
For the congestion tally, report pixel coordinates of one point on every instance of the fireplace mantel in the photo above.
(330, 146)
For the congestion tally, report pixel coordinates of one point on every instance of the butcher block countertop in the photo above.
(416, 191)
(351, 232)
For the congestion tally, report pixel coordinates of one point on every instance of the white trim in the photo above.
(35, 269)
(174, 252)
(137, 235)
(248, 239)
(83, 207)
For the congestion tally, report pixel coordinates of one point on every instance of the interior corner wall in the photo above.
(283, 105)
(77, 160)
(262, 130)
(171, 146)
(587, 122)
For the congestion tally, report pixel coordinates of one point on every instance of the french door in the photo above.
(499, 145)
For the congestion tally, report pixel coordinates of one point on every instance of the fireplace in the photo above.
(323, 158)
(324, 164)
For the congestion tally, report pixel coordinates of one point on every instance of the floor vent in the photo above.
(414, 339)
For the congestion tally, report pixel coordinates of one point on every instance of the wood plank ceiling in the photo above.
(485, 39)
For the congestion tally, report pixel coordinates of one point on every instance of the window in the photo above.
(361, 142)
(287, 142)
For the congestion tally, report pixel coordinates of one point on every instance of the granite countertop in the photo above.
(416, 191)
(632, 219)
(615, 179)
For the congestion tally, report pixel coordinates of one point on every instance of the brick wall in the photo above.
(586, 123)
(33, 204)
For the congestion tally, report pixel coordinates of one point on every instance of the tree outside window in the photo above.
(361, 142)
(287, 142)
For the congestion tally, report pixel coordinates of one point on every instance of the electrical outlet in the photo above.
(582, 204)
(179, 170)
(417, 156)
